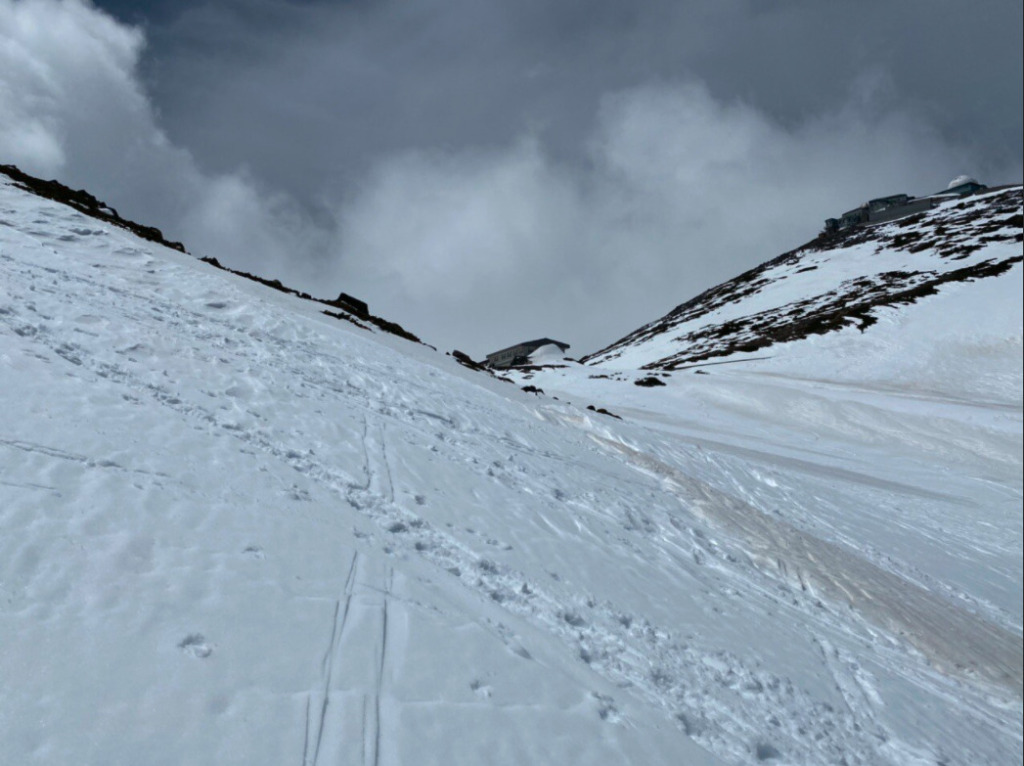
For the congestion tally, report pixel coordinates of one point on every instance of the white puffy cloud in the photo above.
(68, 87)
(680, 191)
(443, 226)
(72, 106)
(677, 189)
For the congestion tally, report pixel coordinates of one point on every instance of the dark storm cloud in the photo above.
(301, 92)
(485, 170)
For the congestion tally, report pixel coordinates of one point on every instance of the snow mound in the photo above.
(548, 354)
(960, 181)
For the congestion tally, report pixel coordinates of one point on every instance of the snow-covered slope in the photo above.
(236, 530)
(844, 280)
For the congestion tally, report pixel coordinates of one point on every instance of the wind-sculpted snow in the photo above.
(834, 282)
(234, 530)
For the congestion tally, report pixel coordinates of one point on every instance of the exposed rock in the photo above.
(937, 238)
(85, 203)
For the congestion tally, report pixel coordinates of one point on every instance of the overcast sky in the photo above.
(489, 171)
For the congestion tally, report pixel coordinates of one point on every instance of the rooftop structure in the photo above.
(520, 353)
(895, 206)
(963, 185)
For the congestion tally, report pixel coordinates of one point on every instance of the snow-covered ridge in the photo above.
(833, 282)
(343, 307)
(85, 203)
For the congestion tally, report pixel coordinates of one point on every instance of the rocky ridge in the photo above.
(834, 281)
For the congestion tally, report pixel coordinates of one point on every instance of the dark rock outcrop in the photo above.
(352, 309)
(949, 234)
(87, 204)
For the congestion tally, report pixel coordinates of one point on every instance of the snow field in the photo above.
(237, 531)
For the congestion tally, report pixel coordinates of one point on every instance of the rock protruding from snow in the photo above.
(834, 282)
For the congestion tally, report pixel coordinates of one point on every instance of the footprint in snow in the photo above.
(766, 752)
(606, 709)
(195, 645)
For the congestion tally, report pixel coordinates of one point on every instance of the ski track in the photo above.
(716, 697)
(341, 611)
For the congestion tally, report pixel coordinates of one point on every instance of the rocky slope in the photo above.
(347, 308)
(830, 283)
